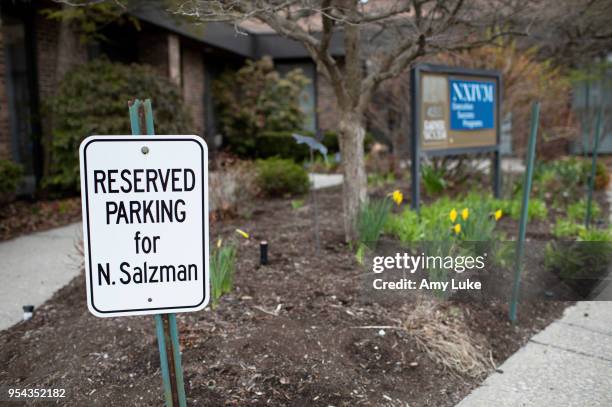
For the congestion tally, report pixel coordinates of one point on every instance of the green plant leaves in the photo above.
(10, 177)
(222, 269)
(92, 99)
(255, 100)
(278, 177)
(371, 220)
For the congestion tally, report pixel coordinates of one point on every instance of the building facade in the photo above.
(37, 52)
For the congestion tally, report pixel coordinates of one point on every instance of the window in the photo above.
(308, 97)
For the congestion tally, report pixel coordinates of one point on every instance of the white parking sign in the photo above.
(145, 224)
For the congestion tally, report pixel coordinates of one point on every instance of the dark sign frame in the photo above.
(415, 137)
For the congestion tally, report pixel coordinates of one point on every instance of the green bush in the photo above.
(571, 169)
(433, 180)
(582, 263)
(330, 140)
(406, 226)
(10, 177)
(535, 210)
(448, 227)
(602, 177)
(222, 268)
(474, 214)
(568, 176)
(280, 144)
(575, 260)
(92, 99)
(596, 235)
(279, 176)
(256, 99)
(566, 229)
(577, 211)
(436, 222)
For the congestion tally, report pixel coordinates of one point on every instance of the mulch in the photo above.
(22, 216)
(289, 334)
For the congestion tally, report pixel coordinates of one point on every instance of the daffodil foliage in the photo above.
(472, 218)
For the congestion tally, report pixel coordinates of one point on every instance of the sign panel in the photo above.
(456, 111)
(472, 104)
(145, 224)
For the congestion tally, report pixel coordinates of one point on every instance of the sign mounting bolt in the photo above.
(145, 150)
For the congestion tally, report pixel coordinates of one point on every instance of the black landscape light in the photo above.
(28, 312)
(263, 253)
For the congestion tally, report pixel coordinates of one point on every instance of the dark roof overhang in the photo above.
(227, 37)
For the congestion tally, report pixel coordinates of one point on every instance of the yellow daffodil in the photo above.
(397, 197)
(242, 233)
(219, 243)
(453, 215)
(457, 228)
(498, 214)
(465, 213)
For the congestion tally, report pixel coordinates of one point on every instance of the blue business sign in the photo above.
(472, 104)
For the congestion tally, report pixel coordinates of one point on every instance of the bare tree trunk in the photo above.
(351, 128)
(351, 136)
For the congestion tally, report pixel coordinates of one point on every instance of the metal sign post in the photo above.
(313, 144)
(166, 328)
(145, 231)
(454, 111)
(535, 118)
(591, 187)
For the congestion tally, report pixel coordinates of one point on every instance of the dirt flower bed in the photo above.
(297, 332)
(22, 217)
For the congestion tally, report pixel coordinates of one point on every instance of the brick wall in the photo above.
(181, 61)
(5, 135)
(174, 58)
(47, 33)
(153, 49)
(193, 84)
(58, 49)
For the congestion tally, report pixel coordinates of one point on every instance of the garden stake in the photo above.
(141, 113)
(314, 205)
(263, 253)
(28, 312)
(586, 128)
(587, 220)
(535, 117)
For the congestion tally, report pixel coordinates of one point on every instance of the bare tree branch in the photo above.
(83, 3)
(381, 40)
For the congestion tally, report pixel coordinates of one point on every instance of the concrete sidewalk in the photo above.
(320, 181)
(33, 267)
(567, 364)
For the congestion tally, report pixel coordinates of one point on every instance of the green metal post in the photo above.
(141, 115)
(586, 128)
(587, 220)
(178, 367)
(163, 357)
(518, 267)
